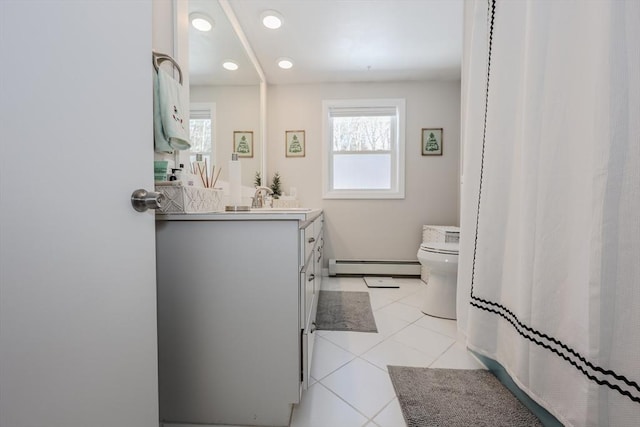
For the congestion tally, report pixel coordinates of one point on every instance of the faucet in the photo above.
(258, 197)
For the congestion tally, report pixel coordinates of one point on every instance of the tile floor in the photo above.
(350, 386)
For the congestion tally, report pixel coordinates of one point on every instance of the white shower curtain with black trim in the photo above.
(549, 268)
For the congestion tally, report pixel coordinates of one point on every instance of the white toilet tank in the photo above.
(438, 233)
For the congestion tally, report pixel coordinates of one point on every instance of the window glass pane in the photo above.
(361, 133)
(200, 134)
(362, 171)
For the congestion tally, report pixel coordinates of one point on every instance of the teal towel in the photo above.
(171, 124)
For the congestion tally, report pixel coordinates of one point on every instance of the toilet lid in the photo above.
(440, 248)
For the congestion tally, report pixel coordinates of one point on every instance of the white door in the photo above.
(77, 263)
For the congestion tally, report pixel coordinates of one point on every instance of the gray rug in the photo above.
(457, 398)
(345, 311)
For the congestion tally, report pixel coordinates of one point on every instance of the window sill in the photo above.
(362, 194)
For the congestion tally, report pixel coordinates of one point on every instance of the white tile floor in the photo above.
(350, 386)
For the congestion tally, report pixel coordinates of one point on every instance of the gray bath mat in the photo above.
(380, 282)
(457, 398)
(345, 311)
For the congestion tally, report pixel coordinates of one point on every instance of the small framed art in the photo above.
(243, 143)
(294, 143)
(432, 141)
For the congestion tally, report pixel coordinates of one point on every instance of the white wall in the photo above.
(372, 229)
(237, 109)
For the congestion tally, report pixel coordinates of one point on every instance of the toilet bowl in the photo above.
(440, 295)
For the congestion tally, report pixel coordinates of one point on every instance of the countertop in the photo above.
(264, 214)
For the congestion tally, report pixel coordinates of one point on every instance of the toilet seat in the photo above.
(440, 248)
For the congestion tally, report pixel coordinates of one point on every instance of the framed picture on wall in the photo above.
(294, 143)
(243, 143)
(432, 141)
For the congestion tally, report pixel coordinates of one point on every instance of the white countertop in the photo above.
(264, 214)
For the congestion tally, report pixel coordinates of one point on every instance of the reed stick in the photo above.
(201, 175)
(217, 175)
(206, 172)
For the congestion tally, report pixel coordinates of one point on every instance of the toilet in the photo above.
(441, 260)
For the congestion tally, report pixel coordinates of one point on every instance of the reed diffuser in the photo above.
(208, 177)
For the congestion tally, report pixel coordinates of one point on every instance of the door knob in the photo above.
(141, 200)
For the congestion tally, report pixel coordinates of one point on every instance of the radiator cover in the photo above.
(351, 267)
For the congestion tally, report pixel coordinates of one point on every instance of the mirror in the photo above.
(232, 99)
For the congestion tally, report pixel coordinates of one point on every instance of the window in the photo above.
(201, 133)
(364, 149)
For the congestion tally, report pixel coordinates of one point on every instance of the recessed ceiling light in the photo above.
(272, 19)
(285, 63)
(201, 22)
(230, 65)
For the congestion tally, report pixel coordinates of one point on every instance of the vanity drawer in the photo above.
(307, 291)
(318, 257)
(309, 241)
(309, 238)
(318, 227)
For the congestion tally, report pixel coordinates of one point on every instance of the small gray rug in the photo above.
(457, 398)
(345, 311)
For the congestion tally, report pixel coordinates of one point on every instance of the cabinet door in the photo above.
(309, 281)
(309, 337)
(306, 292)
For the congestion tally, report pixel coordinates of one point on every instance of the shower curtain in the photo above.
(549, 267)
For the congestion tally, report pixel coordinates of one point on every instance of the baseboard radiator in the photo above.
(352, 267)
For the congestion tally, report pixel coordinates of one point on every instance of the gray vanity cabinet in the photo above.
(237, 295)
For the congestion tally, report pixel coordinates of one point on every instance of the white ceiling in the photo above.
(342, 40)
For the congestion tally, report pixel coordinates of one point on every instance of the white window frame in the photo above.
(210, 107)
(397, 150)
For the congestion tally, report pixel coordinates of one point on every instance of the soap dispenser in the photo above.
(176, 174)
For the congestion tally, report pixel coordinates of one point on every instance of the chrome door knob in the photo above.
(141, 200)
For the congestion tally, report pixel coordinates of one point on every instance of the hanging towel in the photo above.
(171, 124)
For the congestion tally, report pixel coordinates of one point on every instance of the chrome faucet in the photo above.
(258, 197)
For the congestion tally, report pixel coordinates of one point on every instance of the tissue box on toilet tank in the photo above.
(188, 199)
(440, 233)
